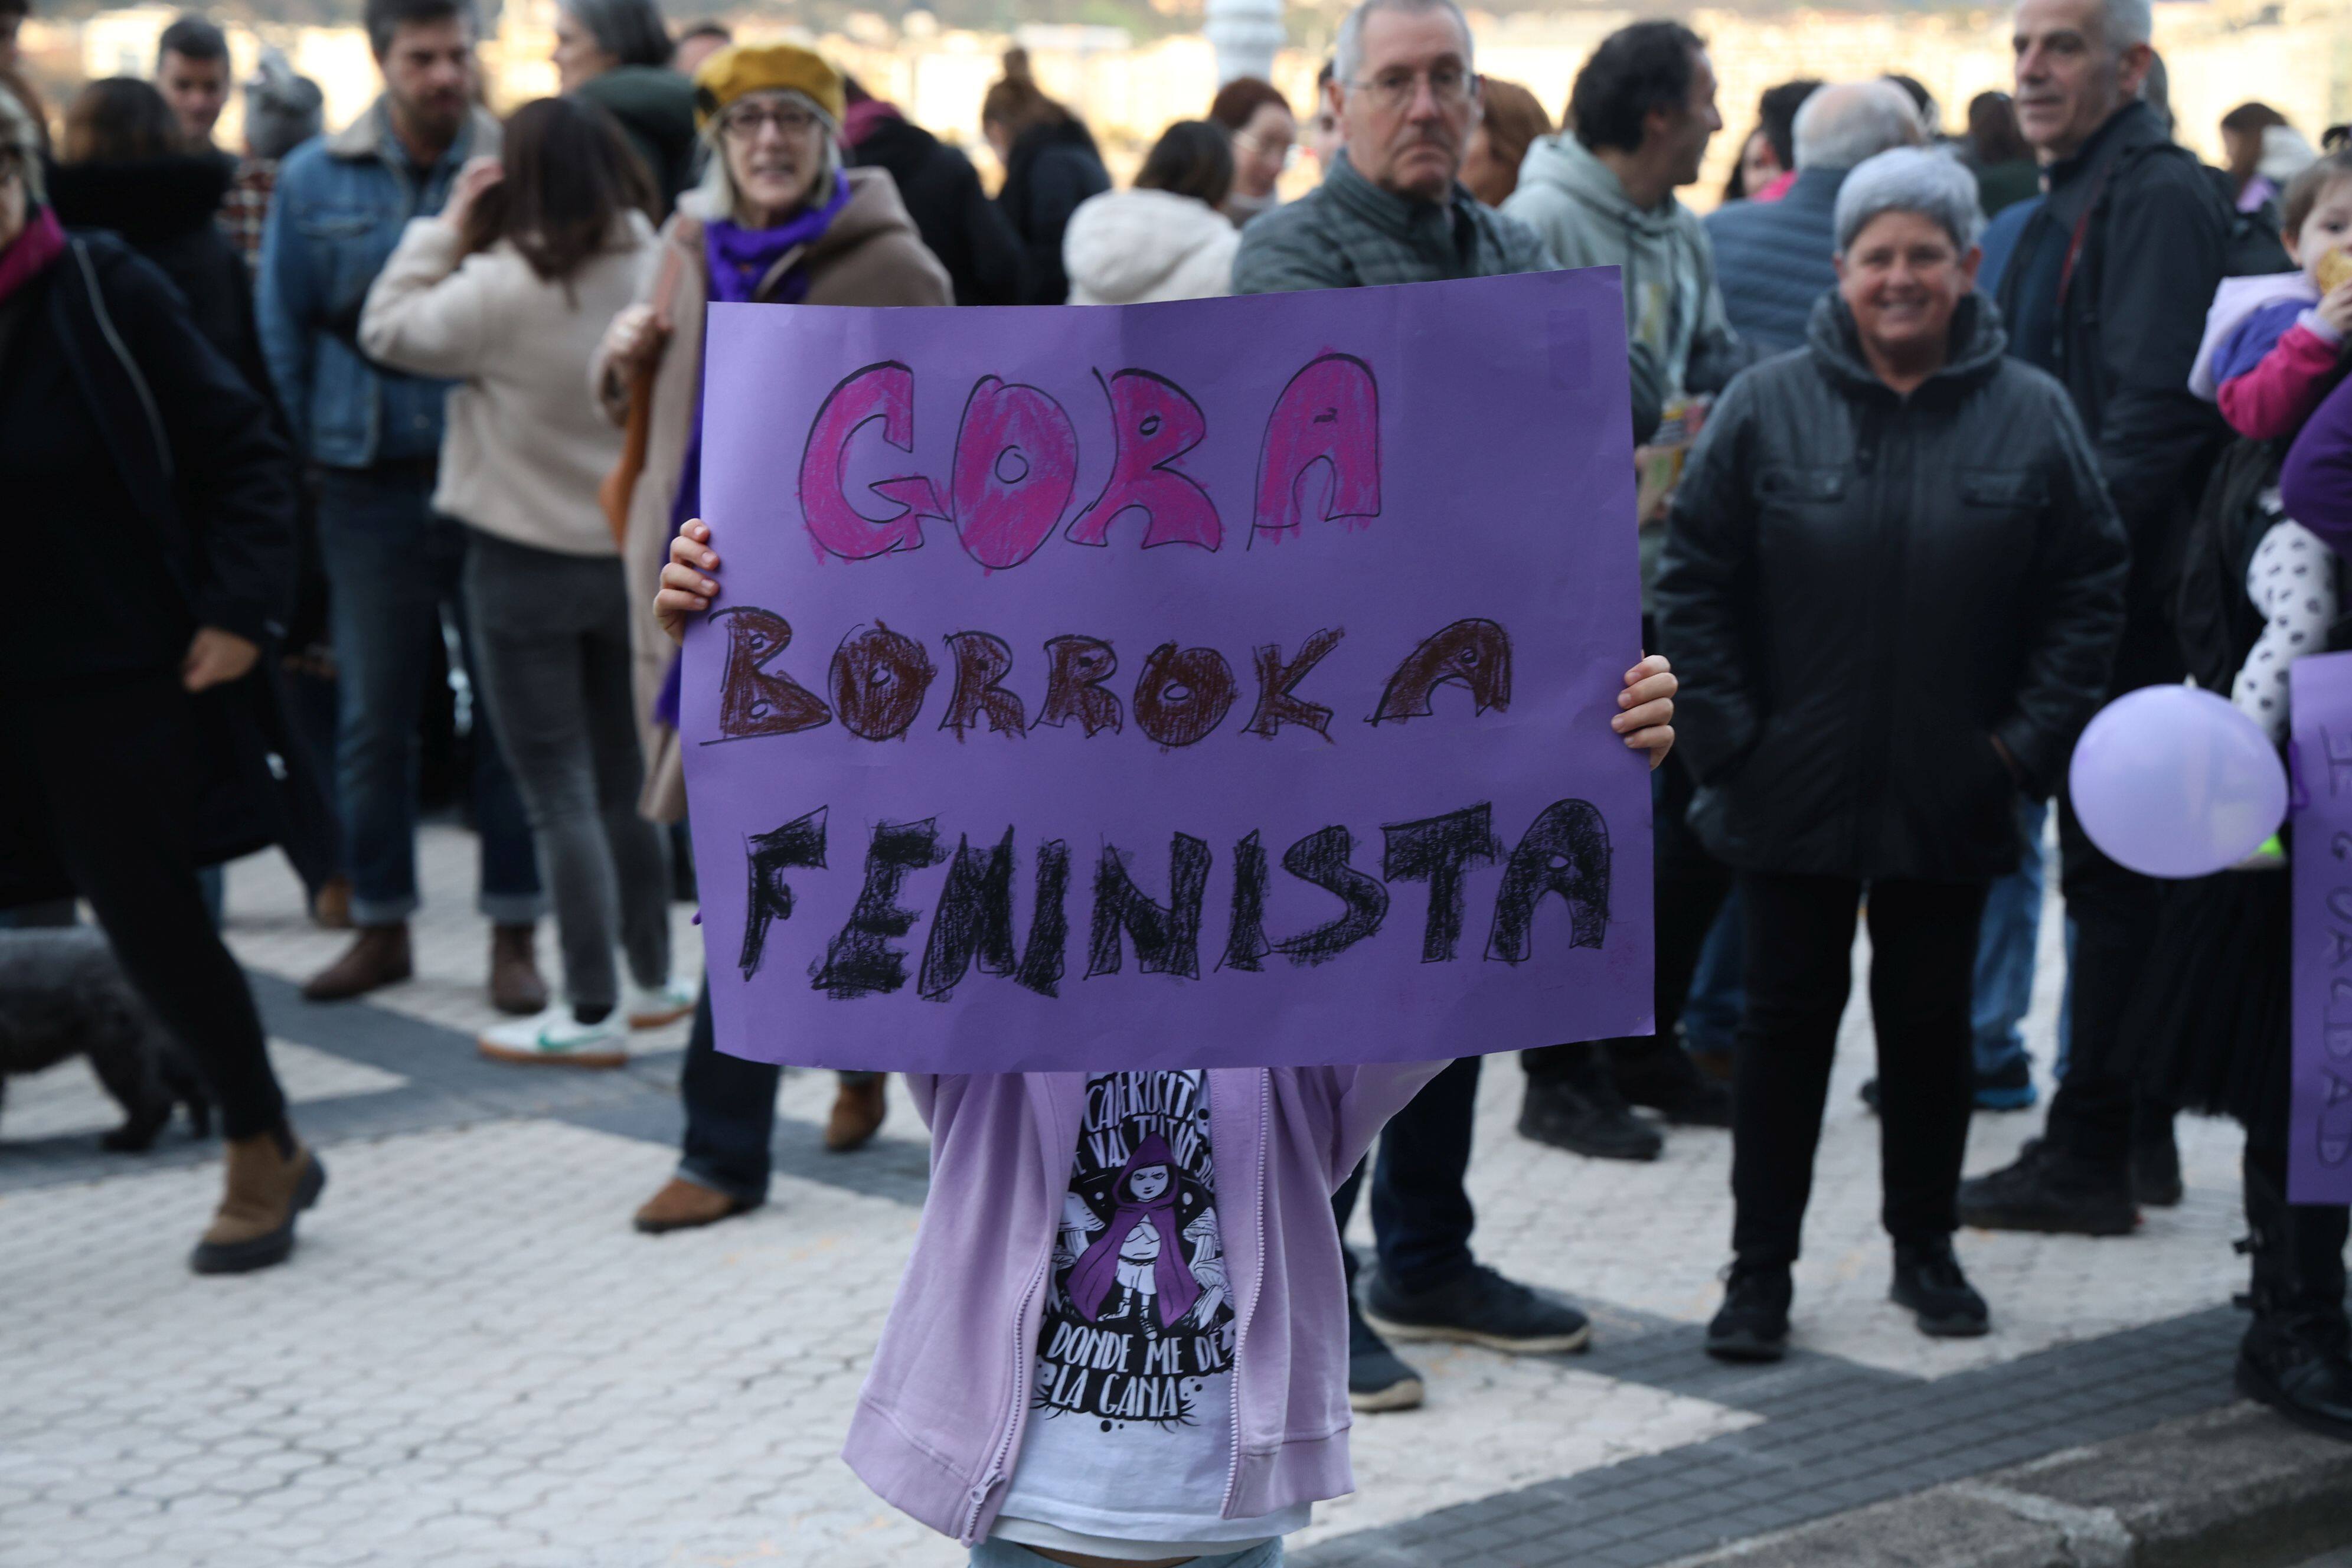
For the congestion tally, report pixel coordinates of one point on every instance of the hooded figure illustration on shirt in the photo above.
(1140, 1248)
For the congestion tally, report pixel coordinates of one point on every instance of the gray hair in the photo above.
(20, 133)
(282, 110)
(1842, 125)
(2124, 23)
(631, 31)
(717, 197)
(1348, 54)
(1910, 180)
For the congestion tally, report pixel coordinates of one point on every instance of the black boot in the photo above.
(1753, 1323)
(2044, 1190)
(2155, 1157)
(2297, 1356)
(1576, 1107)
(1658, 1073)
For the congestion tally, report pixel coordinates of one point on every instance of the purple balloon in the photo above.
(2170, 781)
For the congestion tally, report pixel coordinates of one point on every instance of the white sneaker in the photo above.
(555, 1037)
(651, 1007)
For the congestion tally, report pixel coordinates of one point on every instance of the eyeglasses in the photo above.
(1394, 89)
(1256, 149)
(746, 121)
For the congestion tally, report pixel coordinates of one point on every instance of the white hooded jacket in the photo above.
(1124, 248)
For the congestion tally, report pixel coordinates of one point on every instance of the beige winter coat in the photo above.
(871, 254)
(522, 455)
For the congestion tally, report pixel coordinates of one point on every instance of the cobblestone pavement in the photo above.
(473, 1361)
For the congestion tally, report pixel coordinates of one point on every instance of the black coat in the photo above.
(656, 108)
(213, 486)
(1052, 168)
(2155, 242)
(166, 210)
(972, 238)
(1859, 591)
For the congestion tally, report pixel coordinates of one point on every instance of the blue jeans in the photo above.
(730, 1113)
(1422, 1216)
(394, 568)
(2006, 943)
(1711, 1015)
(1007, 1554)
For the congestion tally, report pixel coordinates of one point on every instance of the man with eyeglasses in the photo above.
(393, 563)
(1392, 209)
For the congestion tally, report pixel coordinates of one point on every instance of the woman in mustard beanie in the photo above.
(777, 219)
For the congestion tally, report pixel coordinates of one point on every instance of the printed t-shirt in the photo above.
(1129, 1450)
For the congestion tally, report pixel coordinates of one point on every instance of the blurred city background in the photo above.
(1131, 67)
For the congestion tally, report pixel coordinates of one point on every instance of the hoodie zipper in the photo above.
(1233, 1378)
(995, 1473)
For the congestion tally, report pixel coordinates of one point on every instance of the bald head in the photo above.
(1848, 121)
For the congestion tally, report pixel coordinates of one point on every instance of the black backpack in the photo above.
(2255, 249)
(2214, 618)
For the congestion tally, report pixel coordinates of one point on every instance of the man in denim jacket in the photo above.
(373, 436)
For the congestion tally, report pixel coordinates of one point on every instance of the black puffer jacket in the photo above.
(1859, 591)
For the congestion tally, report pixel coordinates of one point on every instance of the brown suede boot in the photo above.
(377, 957)
(515, 985)
(267, 1179)
(682, 1205)
(857, 1113)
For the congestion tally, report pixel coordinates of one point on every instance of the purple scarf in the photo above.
(737, 260)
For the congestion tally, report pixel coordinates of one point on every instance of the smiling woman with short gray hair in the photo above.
(1898, 503)
(1931, 183)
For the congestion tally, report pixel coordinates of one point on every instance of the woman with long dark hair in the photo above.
(509, 291)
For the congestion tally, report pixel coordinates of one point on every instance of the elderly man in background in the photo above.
(1773, 258)
(1392, 209)
(2107, 291)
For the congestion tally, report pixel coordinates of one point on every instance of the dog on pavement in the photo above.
(62, 994)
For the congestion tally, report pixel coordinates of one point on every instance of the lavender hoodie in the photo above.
(940, 1420)
(2316, 485)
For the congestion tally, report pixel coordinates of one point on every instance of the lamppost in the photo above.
(1246, 34)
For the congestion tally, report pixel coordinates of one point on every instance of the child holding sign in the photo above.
(1136, 1354)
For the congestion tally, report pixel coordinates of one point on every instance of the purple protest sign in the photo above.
(2319, 1157)
(1214, 684)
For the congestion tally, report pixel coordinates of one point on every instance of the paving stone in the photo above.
(538, 1385)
